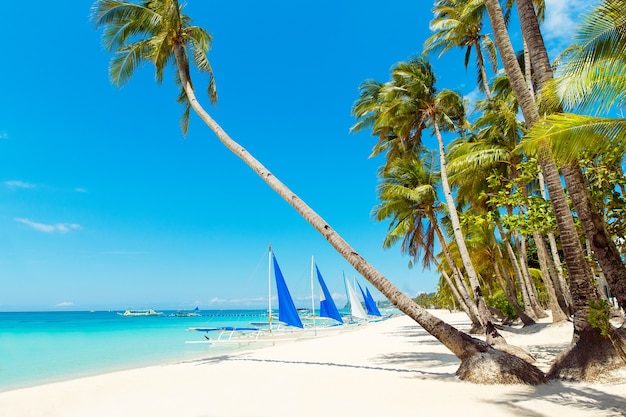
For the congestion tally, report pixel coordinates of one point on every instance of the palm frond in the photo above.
(570, 134)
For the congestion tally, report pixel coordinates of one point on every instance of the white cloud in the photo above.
(48, 228)
(562, 20)
(19, 184)
(65, 304)
(4, 135)
(80, 190)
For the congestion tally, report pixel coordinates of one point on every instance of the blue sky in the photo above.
(105, 205)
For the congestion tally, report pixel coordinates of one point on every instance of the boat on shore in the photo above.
(140, 313)
(288, 325)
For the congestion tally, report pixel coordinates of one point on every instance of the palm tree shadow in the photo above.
(525, 330)
(418, 373)
(583, 398)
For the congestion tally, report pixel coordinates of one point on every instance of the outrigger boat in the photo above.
(140, 313)
(287, 327)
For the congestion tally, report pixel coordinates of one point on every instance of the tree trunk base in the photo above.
(495, 367)
(588, 359)
(477, 329)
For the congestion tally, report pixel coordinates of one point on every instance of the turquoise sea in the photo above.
(41, 347)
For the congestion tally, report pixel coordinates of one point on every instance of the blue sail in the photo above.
(287, 312)
(370, 304)
(327, 305)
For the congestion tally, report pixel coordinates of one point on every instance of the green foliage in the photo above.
(599, 314)
(532, 213)
(498, 301)
(426, 300)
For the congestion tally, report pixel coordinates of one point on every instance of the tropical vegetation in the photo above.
(486, 206)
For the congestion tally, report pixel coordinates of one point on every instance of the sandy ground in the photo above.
(390, 368)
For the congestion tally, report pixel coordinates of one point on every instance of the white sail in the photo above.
(355, 305)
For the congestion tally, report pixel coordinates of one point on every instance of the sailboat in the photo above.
(370, 304)
(329, 320)
(356, 308)
(288, 326)
(328, 308)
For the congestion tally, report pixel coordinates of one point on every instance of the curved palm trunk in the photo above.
(483, 71)
(579, 357)
(528, 279)
(518, 272)
(509, 289)
(509, 292)
(560, 284)
(455, 292)
(542, 253)
(474, 353)
(466, 298)
(602, 245)
(484, 314)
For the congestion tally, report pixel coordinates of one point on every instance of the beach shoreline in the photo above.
(392, 367)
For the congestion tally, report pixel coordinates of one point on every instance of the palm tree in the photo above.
(158, 32)
(592, 77)
(408, 197)
(459, 23)
(491, 149)
(604, 25)
(404, 108)
(573, 363)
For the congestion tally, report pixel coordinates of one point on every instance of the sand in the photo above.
(390, 368)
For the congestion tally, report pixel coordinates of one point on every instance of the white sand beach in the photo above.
(390, 368)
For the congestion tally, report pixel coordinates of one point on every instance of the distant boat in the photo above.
(288, 325)
(370, 304)
(356, 308)
(194, 313)
(140, 313)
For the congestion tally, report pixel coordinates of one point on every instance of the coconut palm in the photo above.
(458, 23)
(159, 32)
(406, 107)
(592, 74)
(408, 196)
(609, 17)
(577, 360)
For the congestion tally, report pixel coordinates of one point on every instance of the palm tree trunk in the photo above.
(484, 314)
(528, 279)
(576, 361)
(474, 353)
(561, 286)
(473, 313)
(455, 292)
(518, 272)
(602, 245)
(483, 71)
(510, 294)
(542, 253)
(509, 289)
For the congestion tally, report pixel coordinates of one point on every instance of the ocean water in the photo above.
(42, 347)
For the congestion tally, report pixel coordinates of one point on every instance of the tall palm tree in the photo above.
(592, 77)
(408, 196)
(577, 359)
(459, 23)
(605, 26)
(491, 149)
(158, 32)
(406, 107)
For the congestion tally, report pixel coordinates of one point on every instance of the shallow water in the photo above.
(40, 347)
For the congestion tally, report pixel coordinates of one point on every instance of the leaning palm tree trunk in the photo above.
(542, 253)
(484, 314)
(574, 362)
(466, 299)
(474, 354)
